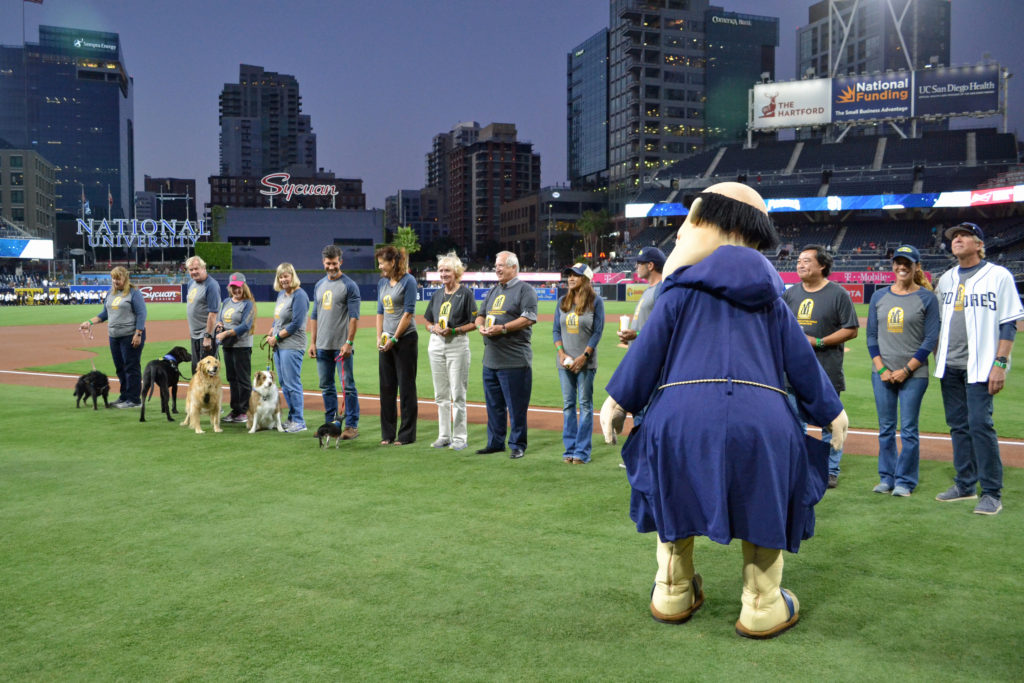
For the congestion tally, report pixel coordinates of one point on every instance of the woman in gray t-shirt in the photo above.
(124, 311)
(288, 338)
(398, 345)
(579, 323)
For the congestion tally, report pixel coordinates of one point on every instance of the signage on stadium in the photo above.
(734, 21)
(170, 294)
(948, 91)
(871, 97)
(792, 104)
(129, 232)
(93, 44)
(277, 183)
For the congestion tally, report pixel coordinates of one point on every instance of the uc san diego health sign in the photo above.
(129, 232)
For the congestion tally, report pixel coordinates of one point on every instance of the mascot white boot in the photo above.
(677, 590)
(768, 608)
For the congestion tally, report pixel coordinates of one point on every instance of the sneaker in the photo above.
(286, 424)
(295, 427)
(622, 465)
(833, 481)
(988, 505)
(441, 443)
(901, 491)
(954, 493)
(459, 446)
(128, 404)
(882, 488)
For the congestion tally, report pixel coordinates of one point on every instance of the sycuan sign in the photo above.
(277, 184)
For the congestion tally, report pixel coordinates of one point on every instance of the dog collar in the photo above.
(171, 359)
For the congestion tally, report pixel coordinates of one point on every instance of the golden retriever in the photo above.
(204, 393)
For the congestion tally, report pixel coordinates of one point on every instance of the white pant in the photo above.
(449, 366)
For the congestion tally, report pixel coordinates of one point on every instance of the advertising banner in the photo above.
(946, 91)
(872, 97)
(635, 290)
(547, 293)
(22, 248)
(161, 294)
(796, 103)
(856, 292)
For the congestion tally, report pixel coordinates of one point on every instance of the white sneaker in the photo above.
(295, 427)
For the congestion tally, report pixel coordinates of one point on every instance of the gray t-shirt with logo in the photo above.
(505, 303)
(394, 300)
(238, 316)
(124, 314)
(820, 314)
(903, 324)
(334, 303)
(203, 299)
(290, 314)
(956, 350)
(578, 331)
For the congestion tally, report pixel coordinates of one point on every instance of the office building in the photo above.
(587, 116)
(847, 37)
(438, 161)
(416, 209)
(262, 128)
(27, 183)
(541, 227)
(68, 98)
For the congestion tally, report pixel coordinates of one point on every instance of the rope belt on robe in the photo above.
(722, 381)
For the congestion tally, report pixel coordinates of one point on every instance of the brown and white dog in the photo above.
(204, 393)
(264, 404)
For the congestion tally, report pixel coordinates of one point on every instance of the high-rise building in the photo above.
(587, 127)
(26, 192)
(740, 49)
(416, 209)
(262, 128)
(69, 99)
(851, 37)
(666, 60)
(438, 161)
(495, 169)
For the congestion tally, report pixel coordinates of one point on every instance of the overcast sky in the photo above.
(380, 78)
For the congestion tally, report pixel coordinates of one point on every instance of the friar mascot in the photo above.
(720, 452)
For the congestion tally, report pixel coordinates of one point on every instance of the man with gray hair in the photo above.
(202, 305)
(332, 327)
(505, 318)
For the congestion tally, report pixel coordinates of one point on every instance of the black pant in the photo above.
(397, 372)
(238, 370)
(199, 352)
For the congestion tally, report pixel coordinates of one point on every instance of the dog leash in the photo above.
(341, 410)
(270, 353)
(87, 336)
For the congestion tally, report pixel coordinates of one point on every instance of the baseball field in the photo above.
(143, 551)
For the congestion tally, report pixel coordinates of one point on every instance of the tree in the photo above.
(406, 238)
(593, 225)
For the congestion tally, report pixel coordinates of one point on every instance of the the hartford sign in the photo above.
(277, 184)
(129, 232)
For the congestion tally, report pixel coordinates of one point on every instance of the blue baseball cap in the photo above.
(580, 269)
(972, 228)
(652, 255)
(907, 251)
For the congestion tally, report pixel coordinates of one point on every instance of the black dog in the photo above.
(328, 431)
(164, 374)
(92, 384)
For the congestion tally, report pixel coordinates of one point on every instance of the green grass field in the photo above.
(145, 552)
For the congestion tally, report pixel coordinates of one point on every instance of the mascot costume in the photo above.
(720, 452)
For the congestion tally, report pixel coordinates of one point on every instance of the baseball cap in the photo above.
(580, 269)
(965, 227)
(907, 251)
(237, 280)
(651, 255)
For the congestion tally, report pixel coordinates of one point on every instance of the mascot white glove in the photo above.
(612, 418)
(840, 426)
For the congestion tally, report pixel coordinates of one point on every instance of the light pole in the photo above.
(554, 195)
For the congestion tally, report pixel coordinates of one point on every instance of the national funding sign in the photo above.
(861, 98)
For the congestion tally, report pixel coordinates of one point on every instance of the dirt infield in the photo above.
(43, 345)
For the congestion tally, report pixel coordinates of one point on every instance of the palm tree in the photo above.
(593, 225)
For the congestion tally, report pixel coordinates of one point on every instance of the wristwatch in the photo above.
(1000, 362)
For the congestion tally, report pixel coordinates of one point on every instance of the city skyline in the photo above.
(388, 76)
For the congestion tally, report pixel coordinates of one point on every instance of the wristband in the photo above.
(819, 342)
(278, 338)
(906, 369)
(881, 371)
(558, 346)
(504, 330)
(351, 342)
(587, 354)
(999, 364)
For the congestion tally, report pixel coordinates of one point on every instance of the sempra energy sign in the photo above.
(859, 98)
(796, 103)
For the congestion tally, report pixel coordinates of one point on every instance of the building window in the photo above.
(17, 161)
(17, 179)
(17, 196)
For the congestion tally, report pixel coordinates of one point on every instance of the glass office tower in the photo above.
(587, 130)
(69, 98)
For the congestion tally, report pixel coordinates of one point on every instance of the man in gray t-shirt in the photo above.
(826, 315)
(202, 305)
(332, 327)
(504, 320)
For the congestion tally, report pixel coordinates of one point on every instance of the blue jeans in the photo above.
(901, 470)
(507, 394)
(289, 371)
(326, 366)
(128, 366)
(826, 435)
(975, 444)
(577, 434)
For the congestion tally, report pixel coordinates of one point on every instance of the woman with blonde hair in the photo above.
(234, 334)
(124, 310)
(288, 339)
(579, 324)
(398, 346)
(450, 315)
